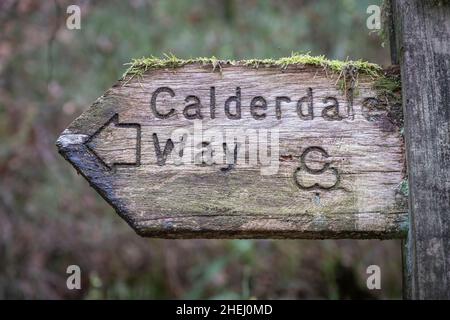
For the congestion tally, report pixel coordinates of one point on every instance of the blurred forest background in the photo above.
(50, 218)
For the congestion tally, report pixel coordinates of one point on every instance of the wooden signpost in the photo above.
(296, 148)
(219, 150)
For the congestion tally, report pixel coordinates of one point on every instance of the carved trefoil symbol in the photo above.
(327, 177)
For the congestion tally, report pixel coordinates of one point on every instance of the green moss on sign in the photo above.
(141, 65)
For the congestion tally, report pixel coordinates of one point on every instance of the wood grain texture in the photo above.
(335, 174)
(423, 43)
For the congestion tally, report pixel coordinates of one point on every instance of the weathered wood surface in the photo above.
(339, 172)
(423, 43)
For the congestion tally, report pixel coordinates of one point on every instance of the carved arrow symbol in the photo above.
(116, 144)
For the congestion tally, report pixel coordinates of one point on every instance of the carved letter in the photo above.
(331, 112)
(161, 157)
(153, 103)
(278, 101)
(237, 100)
(350, 110)
(309, 100)
(258, 103)
(371, 109)
(205, 155)
(212, 102)
(196, 106)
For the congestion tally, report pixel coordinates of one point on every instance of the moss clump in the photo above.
(388, 88)
(387, 85)
(336, 66)
(140, 66)
(403, 188)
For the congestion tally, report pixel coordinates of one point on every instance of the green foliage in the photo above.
(241, 251)
(387, 85)
(388, 89)
(404, 187)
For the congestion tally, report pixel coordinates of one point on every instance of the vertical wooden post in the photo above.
(422, 35)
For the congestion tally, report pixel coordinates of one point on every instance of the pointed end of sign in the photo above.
(69, 144)
(67, 139)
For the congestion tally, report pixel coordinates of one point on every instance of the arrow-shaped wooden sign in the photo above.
(246, 149)
(104, 143)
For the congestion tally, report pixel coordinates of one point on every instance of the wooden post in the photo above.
(422, 33)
